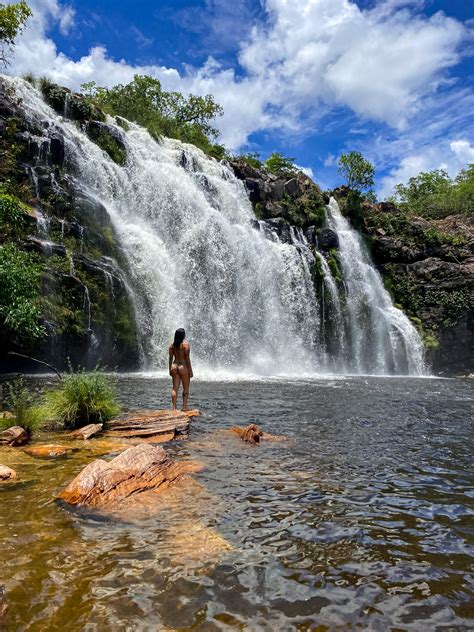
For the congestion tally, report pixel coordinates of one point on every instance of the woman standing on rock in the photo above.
(180, 367)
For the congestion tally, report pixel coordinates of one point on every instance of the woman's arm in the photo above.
(187, 350)
(170, 353)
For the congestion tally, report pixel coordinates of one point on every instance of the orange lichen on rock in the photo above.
(139, 469)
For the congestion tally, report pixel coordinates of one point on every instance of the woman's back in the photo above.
(179, 353)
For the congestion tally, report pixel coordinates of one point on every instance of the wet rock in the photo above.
(281, 228)
(56, 150)
(86, 432)
(140, 469)
(150, 425)
(109, 139)
(6, 473)
(14, 436)
(327, 239)
(253, 434)
(44, 247)
(311, 235)
(250, 434)
(48, 451)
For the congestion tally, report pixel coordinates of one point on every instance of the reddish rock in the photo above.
(149, 425)
(137, 470)
(6, 473)
(48, 451)
(14, 436)
(86, 432)
(253, 434)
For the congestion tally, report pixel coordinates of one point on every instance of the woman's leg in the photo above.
(174, 392)
(184, 375)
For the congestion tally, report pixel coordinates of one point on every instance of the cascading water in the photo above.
(382, 339)
(248, 302)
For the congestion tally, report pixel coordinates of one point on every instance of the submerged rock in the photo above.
(6, 473)
(48, 451)
(253, 434)
(142, 468)
(14, 436)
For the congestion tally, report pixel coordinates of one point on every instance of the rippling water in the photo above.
(363, 521)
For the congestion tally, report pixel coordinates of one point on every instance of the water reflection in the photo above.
(364, 520)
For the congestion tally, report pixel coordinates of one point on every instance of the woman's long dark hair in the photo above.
(179, 336)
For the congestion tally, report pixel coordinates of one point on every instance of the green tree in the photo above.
(163, 113)
(357, 171)
(278, 163)
(12, 21)
(20, 275)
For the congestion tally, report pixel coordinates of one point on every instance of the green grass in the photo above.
(82, 398)
(22, 405)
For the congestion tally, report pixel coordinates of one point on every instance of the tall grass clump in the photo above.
(82, 398)
(23, 407)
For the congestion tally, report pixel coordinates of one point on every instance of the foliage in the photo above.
(82, 398)
(20, 274)
(12, 21)
(307, 210)
(280, 164)
(12, 215)
(358, 172)
(433, 194)
(108, 143)
(253, 159)
(22, 405)
(143, 101)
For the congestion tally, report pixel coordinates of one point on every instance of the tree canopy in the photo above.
(144, 101)
(357, 171)
(436, 194)
(278, 163)
(13, 18)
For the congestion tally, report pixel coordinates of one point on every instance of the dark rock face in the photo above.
(86, 308)
(296, 199)
(109, 139)
(281, 228)
(327, 239)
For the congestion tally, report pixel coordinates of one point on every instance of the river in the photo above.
(363, 520)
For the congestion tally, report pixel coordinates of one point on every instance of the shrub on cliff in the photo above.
(12, 20)
(82, 398)
(163, 113)
(433, 194)
(279, 164)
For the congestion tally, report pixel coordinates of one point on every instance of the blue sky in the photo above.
(309, 78)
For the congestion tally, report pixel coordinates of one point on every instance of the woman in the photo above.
(180, 367)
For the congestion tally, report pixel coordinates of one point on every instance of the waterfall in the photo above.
(382, 339)
(196, 260)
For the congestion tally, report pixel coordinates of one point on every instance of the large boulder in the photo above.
(140, 469)
(14, 436)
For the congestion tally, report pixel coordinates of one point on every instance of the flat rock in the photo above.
(48, 451)
(139, 469)
(14, 436)
(6, 473)
(86, 432)
(149, 425)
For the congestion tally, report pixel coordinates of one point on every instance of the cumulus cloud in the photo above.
(451, 156)
(307, 171)
(306, 57)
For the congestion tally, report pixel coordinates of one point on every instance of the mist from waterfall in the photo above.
(196, 260)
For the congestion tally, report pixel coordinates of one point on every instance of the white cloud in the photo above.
(330, 160)
(307, 171)
(309, 56)
(451, 156)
